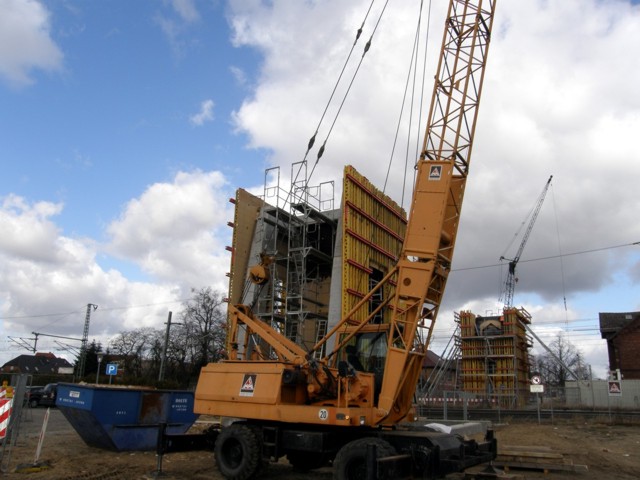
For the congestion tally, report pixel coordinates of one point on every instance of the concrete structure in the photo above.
(302, 264)
(622, 333)
(494, 356)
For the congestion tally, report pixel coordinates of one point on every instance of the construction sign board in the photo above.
(248, 385)
(615, 389)
(535, 388)
(435, 172)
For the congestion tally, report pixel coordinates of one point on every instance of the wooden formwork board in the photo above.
(373, 230)
(538, 458)
(247, 212)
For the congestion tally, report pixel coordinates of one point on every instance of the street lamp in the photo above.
(100, 355)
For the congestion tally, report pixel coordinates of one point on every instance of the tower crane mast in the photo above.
(510, 284)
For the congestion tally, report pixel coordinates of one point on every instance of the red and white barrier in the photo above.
(5, 415)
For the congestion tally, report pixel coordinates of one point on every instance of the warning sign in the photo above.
(615, 389)
(248, 385)
(536, 388)
(435, 172)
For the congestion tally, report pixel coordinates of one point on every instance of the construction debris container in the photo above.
(124, 418)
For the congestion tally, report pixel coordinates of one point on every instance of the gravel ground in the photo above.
(608, 451)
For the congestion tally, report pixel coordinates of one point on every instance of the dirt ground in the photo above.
(608, 451)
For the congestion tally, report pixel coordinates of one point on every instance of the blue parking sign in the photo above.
(112, 368)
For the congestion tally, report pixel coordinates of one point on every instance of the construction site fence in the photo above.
(505, 398)
(624, 394)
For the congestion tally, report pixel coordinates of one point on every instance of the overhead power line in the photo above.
(14, 317)
(550, 257)
(107, 309)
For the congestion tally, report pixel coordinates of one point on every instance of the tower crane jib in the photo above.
(510, 284)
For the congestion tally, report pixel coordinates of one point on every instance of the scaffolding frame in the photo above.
(296, 232)
(494, 356)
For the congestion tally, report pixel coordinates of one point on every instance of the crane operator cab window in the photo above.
(353, 358)
(367, 352)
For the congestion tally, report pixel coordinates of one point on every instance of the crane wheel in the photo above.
(238, 452)
(350, 462)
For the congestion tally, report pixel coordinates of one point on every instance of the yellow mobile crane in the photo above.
(317, 409)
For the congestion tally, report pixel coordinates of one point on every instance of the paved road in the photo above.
(32, 419)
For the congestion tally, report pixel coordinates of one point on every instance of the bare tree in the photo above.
(197, 339)
(134, 347)
(178, 361)
(565, 354)
(205, 327)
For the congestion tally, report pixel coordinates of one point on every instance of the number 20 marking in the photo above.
(323, 414)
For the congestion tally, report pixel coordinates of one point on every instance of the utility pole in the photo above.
(163, 359)
(85, 337)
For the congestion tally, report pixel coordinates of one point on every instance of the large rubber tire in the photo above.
(350, 462)
(306, 461)
(33, 403)
(238, 453)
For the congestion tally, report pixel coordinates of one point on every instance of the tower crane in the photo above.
(510, 284)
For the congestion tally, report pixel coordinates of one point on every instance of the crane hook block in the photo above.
(258, 274)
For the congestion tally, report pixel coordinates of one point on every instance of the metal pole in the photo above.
(593, 395)
(444, 408)
(465, 409)
(164, 349)
(85, 339)
(98, 370)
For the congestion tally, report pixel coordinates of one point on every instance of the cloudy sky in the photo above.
(126, 126)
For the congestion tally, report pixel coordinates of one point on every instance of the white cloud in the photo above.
(178, 230)
(44, 271)
(32, 233)
(204, 115)
(25, 41)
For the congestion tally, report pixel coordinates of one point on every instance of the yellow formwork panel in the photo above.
(373, 230)
(495, 365)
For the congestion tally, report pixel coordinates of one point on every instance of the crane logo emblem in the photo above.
(435, 172)
(248, 385)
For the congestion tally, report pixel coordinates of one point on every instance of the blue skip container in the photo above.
(124, 418)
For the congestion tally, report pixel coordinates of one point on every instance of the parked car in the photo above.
(49, 394)
(33, 395)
